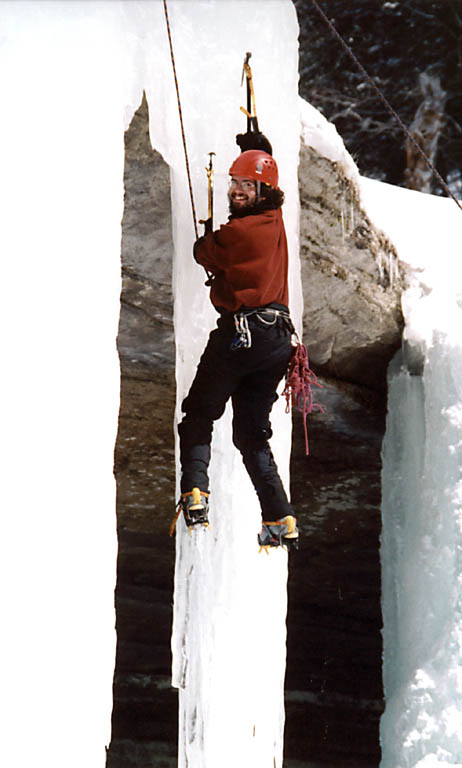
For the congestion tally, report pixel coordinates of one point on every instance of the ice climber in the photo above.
(248, 353)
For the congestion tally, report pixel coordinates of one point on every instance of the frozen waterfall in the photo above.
(225, 638)
(76, 73)
(422, 487)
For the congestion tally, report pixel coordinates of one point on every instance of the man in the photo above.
(248, 353)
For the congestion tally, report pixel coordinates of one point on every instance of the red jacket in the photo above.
(249, 259)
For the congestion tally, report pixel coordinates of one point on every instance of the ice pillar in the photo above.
(422, 494)
(422, 564)
(71, 81)
(230, 601)
(74, 74)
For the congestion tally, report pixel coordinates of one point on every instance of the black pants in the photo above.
(250, 377)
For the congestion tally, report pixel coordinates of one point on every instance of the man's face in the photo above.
(242, 193)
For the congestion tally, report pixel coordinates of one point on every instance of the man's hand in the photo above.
(253, 140)
(208, 225)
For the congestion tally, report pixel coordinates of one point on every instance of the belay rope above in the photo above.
(181, 121)
(183, 135)
(387, 106)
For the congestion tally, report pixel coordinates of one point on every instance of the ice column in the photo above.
(422, 488)
(230, 601)
(422, 564)
(74, 74)
(72, 79)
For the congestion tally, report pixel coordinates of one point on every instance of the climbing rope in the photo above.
(181, 121)
(387, 106)
(297, 391)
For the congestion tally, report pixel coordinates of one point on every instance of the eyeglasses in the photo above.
(244, 184)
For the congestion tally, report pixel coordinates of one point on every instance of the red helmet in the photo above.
(257, 165)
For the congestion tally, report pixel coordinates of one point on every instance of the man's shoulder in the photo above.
(255, 217)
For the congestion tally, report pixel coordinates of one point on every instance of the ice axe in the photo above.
(253, 138)
(208, 222)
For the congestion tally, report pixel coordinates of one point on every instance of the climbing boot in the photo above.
(195, 507)
(279, 533)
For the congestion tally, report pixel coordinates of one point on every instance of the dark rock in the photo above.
(144, 719)
(352, 323)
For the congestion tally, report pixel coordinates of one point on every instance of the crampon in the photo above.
(195, 507)
(279, 533)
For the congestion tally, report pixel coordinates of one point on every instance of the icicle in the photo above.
(379, 262)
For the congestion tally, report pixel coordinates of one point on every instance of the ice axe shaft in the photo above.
(250, 112)
(210, 172)
(208, 222)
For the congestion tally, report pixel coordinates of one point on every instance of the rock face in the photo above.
(351, 285)
(144, 721)
(352, 325)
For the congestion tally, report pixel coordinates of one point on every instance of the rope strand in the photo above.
(387, 106)
(181, 122)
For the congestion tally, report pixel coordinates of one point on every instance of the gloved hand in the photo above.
(208, 225)
(253, 140)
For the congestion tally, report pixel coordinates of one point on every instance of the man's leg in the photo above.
(252, 403)
(212, 387)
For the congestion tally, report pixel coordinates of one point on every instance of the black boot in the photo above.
(195, 507)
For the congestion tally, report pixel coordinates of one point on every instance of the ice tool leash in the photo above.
(297, 391)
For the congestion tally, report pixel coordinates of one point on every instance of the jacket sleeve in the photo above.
(216, 251)
(204, 253)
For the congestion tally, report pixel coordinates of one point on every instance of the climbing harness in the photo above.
(243, 336)
(299, 380)
(386, 104)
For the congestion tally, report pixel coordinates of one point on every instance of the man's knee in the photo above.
(195, 431)
(247, 439)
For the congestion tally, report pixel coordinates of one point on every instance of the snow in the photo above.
(322, 135)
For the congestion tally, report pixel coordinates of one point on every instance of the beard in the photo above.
(250, 209)
(240, 210)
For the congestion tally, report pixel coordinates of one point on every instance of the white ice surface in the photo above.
(422, 488)
(74, 73)
(230, 601)
(67, 78)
